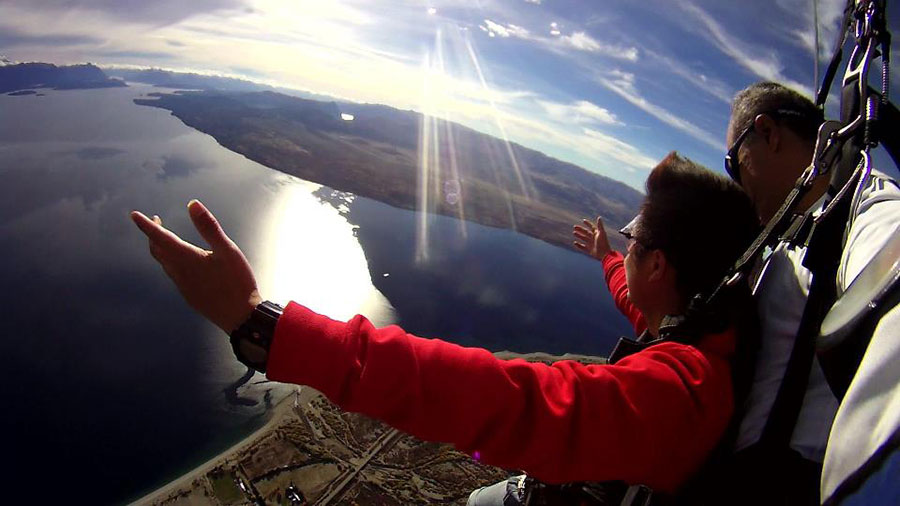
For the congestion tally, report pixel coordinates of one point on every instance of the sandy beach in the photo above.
(279, 412)
(327, 453)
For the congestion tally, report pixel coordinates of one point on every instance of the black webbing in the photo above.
(837, 57)
(822, 259)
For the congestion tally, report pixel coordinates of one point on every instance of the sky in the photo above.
(610, 85)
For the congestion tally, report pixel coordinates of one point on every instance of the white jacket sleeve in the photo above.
(870, 411)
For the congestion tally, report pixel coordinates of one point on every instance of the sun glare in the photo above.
(312, 256)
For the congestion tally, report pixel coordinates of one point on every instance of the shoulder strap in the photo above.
(822, 259)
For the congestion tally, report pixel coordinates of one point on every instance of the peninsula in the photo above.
(407, 160)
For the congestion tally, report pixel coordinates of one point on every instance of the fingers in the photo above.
(163, 243)
(581, 233)
(154, 230)
(207, 225)
(580, 246)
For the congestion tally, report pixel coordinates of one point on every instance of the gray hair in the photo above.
(767, 98)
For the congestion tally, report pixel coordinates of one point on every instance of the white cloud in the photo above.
(622, 80)
(554, 28)
(830, 13)
(761, 62)
(584, 42)
(536, 2)
(605, 153)
(496, 29)
(710, 85)
(581, 111)
(622, 84)
(618, 150)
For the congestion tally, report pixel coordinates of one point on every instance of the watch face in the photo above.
(254, 354)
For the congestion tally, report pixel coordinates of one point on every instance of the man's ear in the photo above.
(659, 265)
(765, 126)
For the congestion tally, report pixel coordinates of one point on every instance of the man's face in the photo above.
(745, 163)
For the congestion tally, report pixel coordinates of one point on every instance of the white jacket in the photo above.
(870, 411)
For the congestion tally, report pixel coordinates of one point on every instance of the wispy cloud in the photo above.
(495, 29)
(154, 13)
(10, 38)
(623, 84)
(584, 42)
(578, 40)
(596, 150)
(581, 111)
(763, 63)
(704, 82)
(619, 150)
(830, 13)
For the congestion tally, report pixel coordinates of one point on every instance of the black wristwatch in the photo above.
(252, 339)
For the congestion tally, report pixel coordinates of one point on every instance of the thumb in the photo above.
(600, 224)
(207, 225)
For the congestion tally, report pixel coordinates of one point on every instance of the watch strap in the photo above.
(251, 341)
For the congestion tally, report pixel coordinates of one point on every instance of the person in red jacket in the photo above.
(650, 418)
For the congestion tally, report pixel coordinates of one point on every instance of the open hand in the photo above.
(591, 238)
(217, 283)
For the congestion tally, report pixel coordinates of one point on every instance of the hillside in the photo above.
(471, 175)
(24, 76)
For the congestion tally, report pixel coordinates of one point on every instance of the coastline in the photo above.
(281, 410)
(286, 409)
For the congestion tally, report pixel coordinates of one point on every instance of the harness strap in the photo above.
(822, 258)
(838, 56)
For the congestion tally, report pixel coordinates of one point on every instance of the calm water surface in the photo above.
(113, 386)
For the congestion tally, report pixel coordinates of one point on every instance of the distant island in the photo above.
(21, 77)
(374, 151)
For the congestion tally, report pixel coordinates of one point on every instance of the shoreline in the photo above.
(301, 397)
(281, 410)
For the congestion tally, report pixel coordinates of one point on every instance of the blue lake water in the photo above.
(113, 386)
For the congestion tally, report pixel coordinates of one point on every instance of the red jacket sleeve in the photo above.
(652, 418)
(614, 266)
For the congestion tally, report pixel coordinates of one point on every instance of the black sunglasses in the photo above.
(732, 164)
(628, 231)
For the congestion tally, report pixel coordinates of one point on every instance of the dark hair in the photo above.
(767, 98)
(702, 222)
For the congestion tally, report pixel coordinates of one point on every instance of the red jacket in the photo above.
(651, 418)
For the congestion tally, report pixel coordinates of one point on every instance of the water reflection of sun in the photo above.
(311, 256)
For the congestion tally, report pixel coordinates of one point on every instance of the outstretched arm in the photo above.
(651, 418)
(592, 239)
